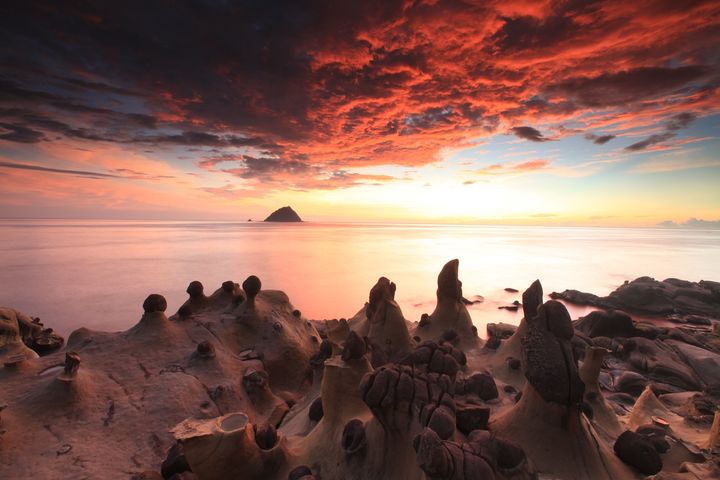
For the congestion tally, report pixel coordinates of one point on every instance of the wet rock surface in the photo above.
(650, 296)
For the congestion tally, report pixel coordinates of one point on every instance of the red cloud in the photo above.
(307, 95)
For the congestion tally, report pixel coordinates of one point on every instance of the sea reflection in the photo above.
(97, 273)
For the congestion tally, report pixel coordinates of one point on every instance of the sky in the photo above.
(514, 112)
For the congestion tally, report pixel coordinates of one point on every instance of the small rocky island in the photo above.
(284, 214)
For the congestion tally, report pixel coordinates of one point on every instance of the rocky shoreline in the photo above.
(239, 384)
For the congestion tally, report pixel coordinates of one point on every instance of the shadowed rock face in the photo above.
(532, 298)
(449, 287)
(547, 354)
(607, 324)
(483, 456)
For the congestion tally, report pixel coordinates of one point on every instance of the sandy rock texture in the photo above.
(238, 384)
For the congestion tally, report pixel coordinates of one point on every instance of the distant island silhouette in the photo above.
(284, 214)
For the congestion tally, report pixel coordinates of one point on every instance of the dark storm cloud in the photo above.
(340, 84)
(519, 33)
(599, 139)
(198, 138)
(627, 86)
(19, 133)
(529, 133)
(28, 120)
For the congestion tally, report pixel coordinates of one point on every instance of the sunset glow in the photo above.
(592, 113)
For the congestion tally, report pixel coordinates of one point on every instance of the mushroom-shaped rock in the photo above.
(226, 296)
(154, 303)
(71, 367)
(197, 302)
(195, 289)
(251, 286)
(153, 323)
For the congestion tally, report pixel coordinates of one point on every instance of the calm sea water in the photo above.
(97, 273)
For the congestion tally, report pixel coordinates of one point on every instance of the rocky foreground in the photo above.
(239, 385)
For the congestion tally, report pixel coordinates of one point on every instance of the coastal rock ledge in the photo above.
(284, 214)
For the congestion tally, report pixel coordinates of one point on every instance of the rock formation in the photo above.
(238, 384)
(23, 338)
(649, 296)
(284, 214)
(450, 319)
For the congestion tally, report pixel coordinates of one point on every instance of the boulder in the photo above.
(635, 450)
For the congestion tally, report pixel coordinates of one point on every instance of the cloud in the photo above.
(515, 168)
(529, 133)
(81, 173)
(649, 141)
(680, 121)
(675, 123)
(691, 223)
(303, 90)
(599, 139)
(627, 86)
(263, 173)
(119, 172)
(660, 165)
(19, 133)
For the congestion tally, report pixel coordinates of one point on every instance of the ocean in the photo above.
(94, 273)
